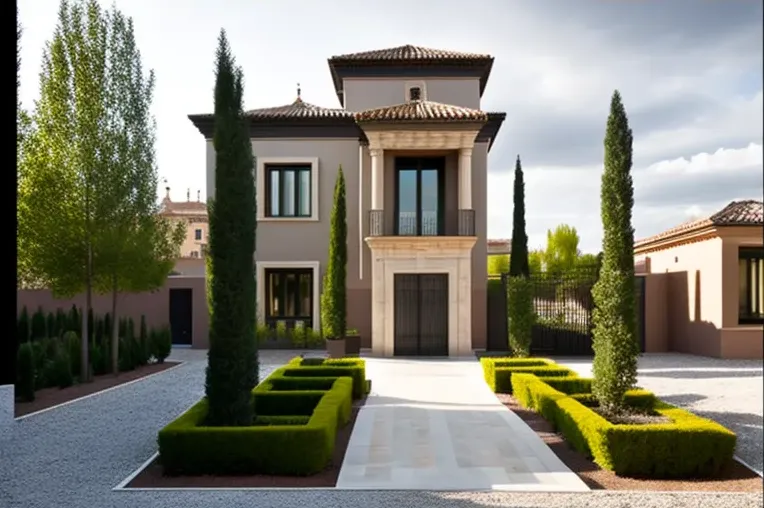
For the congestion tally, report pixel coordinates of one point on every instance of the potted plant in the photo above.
(334, 296)
(352, 342)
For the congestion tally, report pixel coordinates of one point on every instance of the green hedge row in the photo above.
(298, 409)
(498, 371)
(688, 447)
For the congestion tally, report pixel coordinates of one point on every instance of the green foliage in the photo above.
(279, 443)
(331, 367)
(71, 344)
(23, 328)
(519, 262)
(536, 261)
(334, 295)
(62, 368)
(614, 317)
(25, 372)
(61, 322)
(281, 330)
(161, 344)
(38, 330)
(50, 325)
(498, 264)
(561, 254)
(143, 342)
(489, 365)
(126, 360)
(74, 320)
(521, 314)
(232, 370)
(298, 335)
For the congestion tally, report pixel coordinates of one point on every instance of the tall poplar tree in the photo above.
(232, 369)
(518, 258)
(60, 173)
(615, 338)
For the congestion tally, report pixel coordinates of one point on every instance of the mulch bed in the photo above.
(735, 478)
(152, 477)
(49, 397)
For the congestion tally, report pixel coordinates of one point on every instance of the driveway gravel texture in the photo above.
(727, 391)
(75, 455)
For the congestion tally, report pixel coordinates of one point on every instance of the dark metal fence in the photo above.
(427, 223)
(563, 305)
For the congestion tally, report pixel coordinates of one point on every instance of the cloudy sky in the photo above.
(690, 74)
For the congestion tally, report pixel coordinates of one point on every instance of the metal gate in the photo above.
(421, 314)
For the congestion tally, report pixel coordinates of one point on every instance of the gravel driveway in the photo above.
(74, 455)
(727, 391)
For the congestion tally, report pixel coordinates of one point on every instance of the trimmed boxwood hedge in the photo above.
(498, 371)
(354, 368)
(688, 447)
(293, 433)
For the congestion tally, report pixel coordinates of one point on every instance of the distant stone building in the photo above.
(194, 215)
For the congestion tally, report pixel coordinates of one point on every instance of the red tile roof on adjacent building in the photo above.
(421, 111)
(747, 212)
(409, 53)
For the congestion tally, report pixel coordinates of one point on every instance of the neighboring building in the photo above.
(194, 215)
(704, 290)
(499, 246)
(413, 144)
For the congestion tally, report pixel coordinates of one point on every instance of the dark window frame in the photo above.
(271, 319)
(281, 170)
(419, 164)
(197, 234)
(752, 257)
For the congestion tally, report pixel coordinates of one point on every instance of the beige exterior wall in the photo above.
(154, 305)
(692, 296)
(370, 93)
(191, 247)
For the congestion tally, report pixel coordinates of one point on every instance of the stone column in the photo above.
(377, 178)
(465, 178)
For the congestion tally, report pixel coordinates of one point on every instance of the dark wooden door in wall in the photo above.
(421, 314)
(181, 316)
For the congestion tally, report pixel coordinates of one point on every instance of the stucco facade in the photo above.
(395, 108)
(698, 288)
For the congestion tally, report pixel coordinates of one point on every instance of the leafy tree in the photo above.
(615, 340)
(232, 368)
(498, 264)
(536, 261)
(561, 252)
(334, 295)
(63, 156)
(518, 262)
(137, 248)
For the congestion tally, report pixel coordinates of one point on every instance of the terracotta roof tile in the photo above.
(748, 212)
(409, 53)
(183, 206)
(296, 110)
(421, 111)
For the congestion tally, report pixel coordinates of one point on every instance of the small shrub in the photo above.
(298, 335)
(22, 328)
(62, 369)
(312, 338)
(281, 331)
(521, 315)
(72, 345)
(262, 332)
(38, 325)
(25, 377)
(91, 327)
(74, 320)
(98, 361)
(489, 365)
(40, 359)
(125, 355)
(50, 325)
(143, 339)
(61, 322)
(162, 344)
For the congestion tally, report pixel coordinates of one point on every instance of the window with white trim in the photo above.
(287, 188)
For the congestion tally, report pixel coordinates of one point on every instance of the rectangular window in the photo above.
(198, 234)
(751, 285)
(289, 296)
(288, 191)
(419, 197)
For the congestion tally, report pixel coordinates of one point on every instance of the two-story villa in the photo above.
(413, 144)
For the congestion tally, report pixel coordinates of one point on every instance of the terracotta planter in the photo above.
(336, 348)
(353, 345)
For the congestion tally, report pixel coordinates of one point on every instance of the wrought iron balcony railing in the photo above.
(451, 223)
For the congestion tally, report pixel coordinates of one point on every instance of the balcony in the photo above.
(456, 223)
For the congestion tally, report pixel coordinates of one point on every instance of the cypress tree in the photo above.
(614, 317)
(232, 358)
(518, 258)
(334, 295)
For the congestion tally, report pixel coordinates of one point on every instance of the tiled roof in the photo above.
(422, 111)
(183, 206)
(409, 53)
(299, 109)
(748, 212)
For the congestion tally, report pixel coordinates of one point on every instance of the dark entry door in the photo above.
(421, 314)
(181, 316)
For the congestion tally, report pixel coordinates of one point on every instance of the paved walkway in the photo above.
(435, 425)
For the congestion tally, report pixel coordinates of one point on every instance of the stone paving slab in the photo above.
(435, 425)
